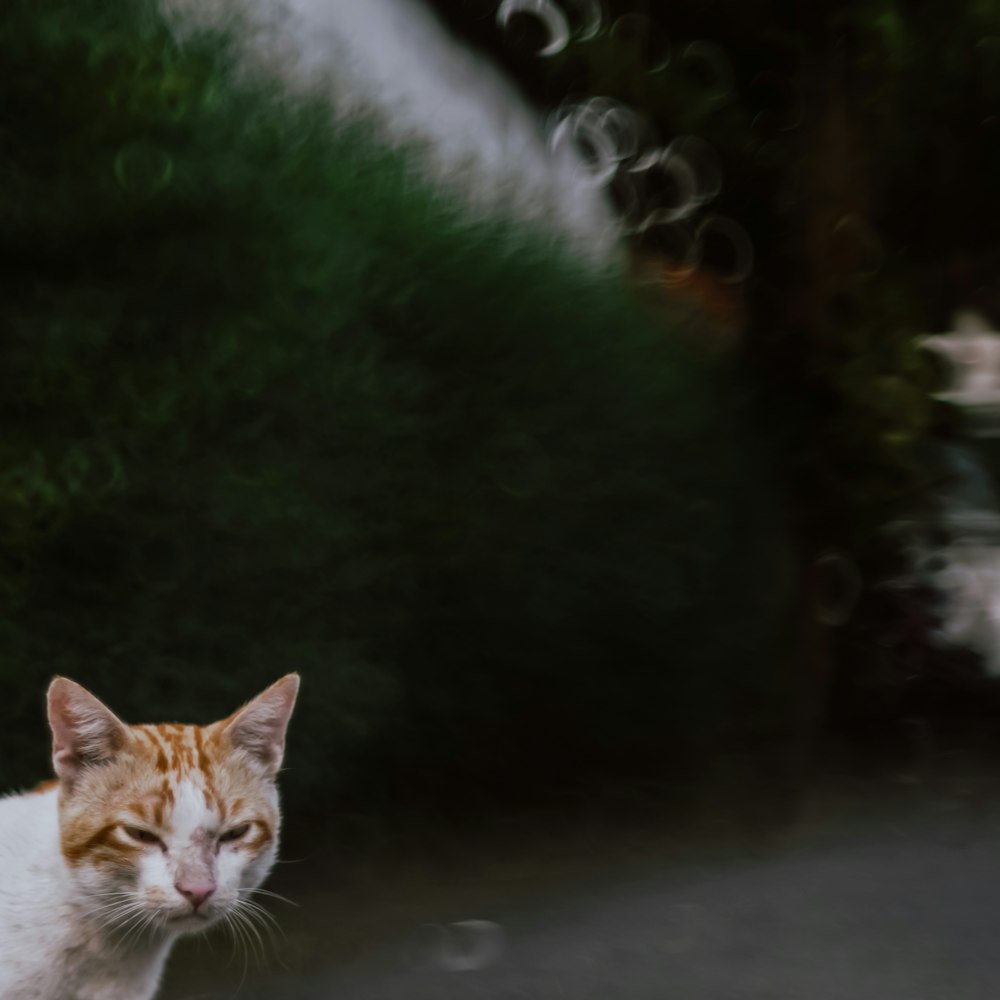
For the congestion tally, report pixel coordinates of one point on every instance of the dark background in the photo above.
(269, 404)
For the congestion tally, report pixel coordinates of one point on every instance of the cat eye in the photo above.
(234, 834)
(143, 836)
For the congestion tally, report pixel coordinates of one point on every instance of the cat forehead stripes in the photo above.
(180, 767)
(177, 748)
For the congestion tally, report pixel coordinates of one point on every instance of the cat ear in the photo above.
(84, 731)
(258, 728)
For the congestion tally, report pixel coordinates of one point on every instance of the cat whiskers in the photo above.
(123, 918)
(269, 893)
(120, 904)
(267, 921)
(230, 925)
(136, 928)
(249, 923)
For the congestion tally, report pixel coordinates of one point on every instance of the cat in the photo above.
(149, 832)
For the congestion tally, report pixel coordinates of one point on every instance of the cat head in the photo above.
(168, 827)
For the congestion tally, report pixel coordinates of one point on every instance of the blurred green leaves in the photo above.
(269, 404)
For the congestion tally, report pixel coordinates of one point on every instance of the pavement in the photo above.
(890, 893)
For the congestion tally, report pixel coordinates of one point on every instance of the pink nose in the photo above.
(195, 892)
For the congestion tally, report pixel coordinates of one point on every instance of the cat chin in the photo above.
(192, 923)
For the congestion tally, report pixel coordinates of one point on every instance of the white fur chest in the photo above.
(48, 951)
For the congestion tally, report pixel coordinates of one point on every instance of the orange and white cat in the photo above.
(149, 833)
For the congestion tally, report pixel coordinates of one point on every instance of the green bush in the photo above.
(269, 404)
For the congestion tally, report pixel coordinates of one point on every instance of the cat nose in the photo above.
(195, 892)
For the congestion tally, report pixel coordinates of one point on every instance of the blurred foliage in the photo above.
(269, 405)
(860, 142)
(861, 148)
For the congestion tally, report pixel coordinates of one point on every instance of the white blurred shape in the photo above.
(972, 351)
(966, 572)
(674, 180)
(590, 14)
(394, 61)
(545, 11)
(967, 575)
(597, 133)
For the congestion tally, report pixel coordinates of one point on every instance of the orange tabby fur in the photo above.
(149, 833)
(140, 786)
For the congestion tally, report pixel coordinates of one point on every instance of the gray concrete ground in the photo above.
(885, 891)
